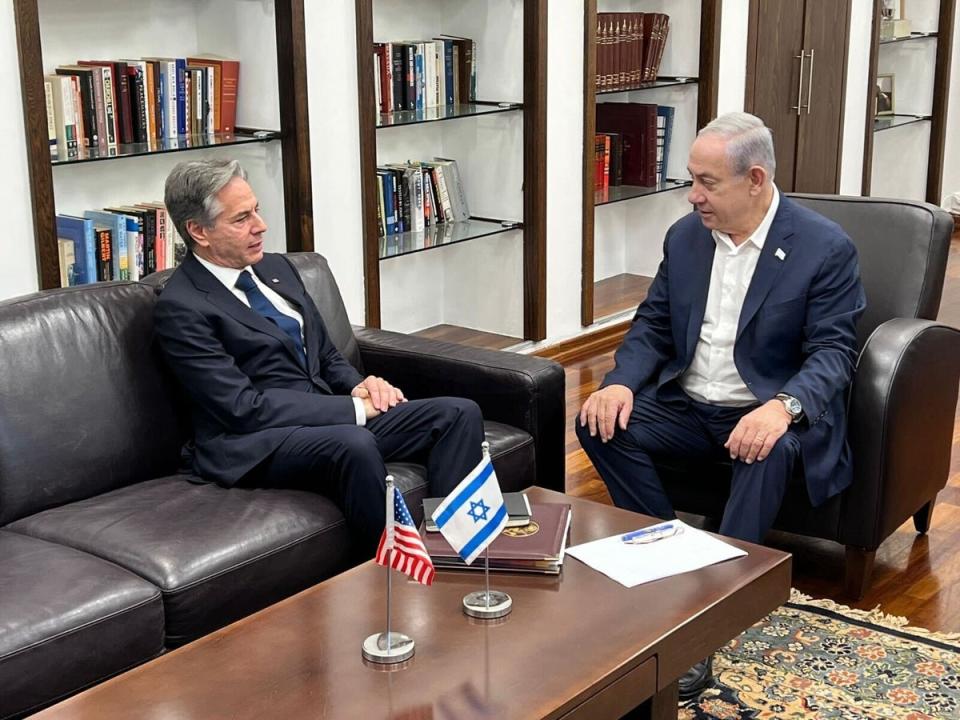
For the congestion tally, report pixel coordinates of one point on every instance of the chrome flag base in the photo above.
(476, 604)
(376, 650)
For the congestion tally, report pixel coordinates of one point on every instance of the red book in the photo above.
(229, 82)
(637, 124)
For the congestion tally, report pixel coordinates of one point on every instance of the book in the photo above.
(62, 96)
(120, 252)
(87, 106)
(637, 124)
(80, 232)
(537, 547)
(67, 258)
(518, 510)
(51, 116)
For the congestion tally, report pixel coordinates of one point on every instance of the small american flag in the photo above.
(409, 555)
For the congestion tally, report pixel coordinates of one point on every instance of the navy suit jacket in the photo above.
(796, 333)
(249, 388)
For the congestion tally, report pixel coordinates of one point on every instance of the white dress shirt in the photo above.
(712, 376)
(229, 276)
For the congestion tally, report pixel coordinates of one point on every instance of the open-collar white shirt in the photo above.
(712, 376)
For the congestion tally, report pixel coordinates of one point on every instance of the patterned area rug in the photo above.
(819, 660)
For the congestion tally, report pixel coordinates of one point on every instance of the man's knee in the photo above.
(457, 409)
(353, 441)
(786, 448)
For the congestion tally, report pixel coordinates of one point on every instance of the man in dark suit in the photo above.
(743, 348)
(274, 402)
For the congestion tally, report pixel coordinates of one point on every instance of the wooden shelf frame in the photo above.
(294, 133)
(708, 79)
(534, 166)
(941, 96)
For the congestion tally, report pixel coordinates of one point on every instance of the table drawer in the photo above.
(621, 696)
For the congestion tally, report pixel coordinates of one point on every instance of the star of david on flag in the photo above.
(400, 535)
(474, 513)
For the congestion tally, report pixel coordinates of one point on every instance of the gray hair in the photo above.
(191, 192)
(750, 142)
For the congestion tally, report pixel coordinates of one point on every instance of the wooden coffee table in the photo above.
(575, 646)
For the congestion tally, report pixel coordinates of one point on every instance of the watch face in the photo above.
(793, 406)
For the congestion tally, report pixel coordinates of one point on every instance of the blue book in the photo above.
(118, 232)
(665, 112)
(80, 232)
(389, 207)
(418, 59)
(448, 69)
(181, 96)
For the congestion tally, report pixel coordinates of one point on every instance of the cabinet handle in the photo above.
(810, 85)
(798, 106)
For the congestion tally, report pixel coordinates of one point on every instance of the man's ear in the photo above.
(757, 177)
(198, 232)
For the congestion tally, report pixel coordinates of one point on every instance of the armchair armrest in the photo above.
(520, 390)
(902, 409)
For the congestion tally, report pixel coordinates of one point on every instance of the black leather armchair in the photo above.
(903, 398)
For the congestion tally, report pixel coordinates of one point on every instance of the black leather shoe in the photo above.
(694, 680)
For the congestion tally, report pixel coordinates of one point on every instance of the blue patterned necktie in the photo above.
(258, 301)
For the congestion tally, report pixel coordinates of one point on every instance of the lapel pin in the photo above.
(275, 280)
(779, 253)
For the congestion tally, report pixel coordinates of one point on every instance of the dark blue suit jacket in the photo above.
(796, 334)
(248, 386)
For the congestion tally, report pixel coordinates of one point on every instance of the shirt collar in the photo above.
(228, 276)
(759, 236)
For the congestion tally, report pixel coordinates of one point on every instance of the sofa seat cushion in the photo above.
(68, 620)
(216, 554)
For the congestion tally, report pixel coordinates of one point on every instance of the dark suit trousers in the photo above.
(683, 428)
(347, 462)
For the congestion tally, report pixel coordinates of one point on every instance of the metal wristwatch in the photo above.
(792, 405)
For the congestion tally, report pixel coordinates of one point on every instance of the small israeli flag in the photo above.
(474, 513)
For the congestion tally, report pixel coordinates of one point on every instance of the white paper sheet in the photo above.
(632, 565)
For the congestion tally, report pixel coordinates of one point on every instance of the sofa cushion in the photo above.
(86, 403)
(216, 554)
(67, 620)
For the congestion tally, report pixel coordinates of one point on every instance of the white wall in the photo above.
(18, 266)
(733, 55)
(951, 165)
(564, 165)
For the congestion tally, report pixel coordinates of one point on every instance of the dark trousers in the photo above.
(347, 462)
(690, 430)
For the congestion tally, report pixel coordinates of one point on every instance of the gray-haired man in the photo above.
(743, 348)
(274, 402)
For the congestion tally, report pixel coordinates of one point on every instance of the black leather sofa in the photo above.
(109, 556)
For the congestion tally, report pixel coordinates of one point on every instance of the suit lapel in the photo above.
(776, 250)
(217, 294)
(701, 267)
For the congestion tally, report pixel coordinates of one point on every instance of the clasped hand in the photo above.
(378, 395)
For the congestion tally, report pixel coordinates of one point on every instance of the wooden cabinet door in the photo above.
(825, 35)
(773, 77)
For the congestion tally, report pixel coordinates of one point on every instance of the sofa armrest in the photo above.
(520, 390)
(902, 408)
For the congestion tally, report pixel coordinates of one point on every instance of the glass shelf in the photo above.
(178, 144)
(660, 82)
(444, 112)
(619, 193)
(885, 122)
(444, 234)
(911, 36)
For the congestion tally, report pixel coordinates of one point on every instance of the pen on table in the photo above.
(650, 534)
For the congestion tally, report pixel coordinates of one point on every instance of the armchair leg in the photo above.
(858, 570)
(923, 516)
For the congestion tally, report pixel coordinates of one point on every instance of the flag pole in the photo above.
(489, 604)
(389, 647)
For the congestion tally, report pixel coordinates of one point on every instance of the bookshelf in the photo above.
(483, 277)
(904, 151)
(271, 138)
(624, 226)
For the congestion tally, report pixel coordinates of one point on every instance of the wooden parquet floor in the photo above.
(915, 576)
